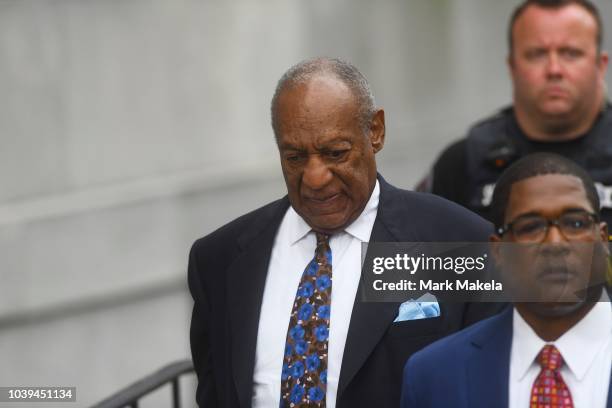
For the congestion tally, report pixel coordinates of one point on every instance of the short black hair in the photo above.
(347, 73)
(533, 165)
(556, 4)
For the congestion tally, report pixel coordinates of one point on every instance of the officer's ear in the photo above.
(602, 65)
(510, 63)
(604, 235)
(377, 130)
(495, 248)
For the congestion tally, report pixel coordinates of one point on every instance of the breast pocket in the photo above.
(406, 338)
(433, 326)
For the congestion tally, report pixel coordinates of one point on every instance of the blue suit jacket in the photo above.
(468, 369)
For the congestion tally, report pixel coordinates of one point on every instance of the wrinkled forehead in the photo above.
(318, 93)
(317, 103)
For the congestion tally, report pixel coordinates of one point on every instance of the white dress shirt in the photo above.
(586, 350)
(294, 247)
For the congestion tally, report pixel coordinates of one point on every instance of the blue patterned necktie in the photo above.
(304, 376)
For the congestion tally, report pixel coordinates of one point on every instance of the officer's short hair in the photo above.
(556, 4)
(537, 164)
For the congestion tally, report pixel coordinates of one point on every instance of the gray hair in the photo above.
(304, 71)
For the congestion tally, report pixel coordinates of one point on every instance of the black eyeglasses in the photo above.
(533, 228)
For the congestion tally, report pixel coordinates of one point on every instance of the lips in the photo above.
(322, 199)
(555, 91)
(556, 274)
(324, 204)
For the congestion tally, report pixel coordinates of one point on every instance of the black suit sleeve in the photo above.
(199, 336)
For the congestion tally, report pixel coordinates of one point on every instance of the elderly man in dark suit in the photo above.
(276, 319)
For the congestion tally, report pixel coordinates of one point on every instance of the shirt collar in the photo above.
(361, 228)
(526, 345)
(581, 344)
(578, 346)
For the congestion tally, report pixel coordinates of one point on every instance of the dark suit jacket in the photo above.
(469, 369)
(227, 273)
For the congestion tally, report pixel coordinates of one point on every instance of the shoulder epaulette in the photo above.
(500, 114)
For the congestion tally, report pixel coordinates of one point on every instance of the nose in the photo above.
(316, 173)
(554, 244)
(553, 66)
(554, 235)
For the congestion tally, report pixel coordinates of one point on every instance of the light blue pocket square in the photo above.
(424, 307)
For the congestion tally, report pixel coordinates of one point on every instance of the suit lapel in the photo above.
(245, 284)
(370, 320)
(488, 369)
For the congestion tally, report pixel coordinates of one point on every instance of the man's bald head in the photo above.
(305, 71)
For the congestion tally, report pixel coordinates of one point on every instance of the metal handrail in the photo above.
(129, 396)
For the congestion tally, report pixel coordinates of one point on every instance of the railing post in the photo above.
(129, 396)
(175, 393)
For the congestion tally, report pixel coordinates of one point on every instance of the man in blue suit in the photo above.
(535, 354)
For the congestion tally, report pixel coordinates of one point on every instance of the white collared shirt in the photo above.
(586, 350)
(294, 247)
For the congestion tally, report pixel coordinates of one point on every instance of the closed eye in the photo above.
(337, 153)
(294, 157)
(571, 53)
(535, 54)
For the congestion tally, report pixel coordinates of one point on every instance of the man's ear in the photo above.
(510, 65)
(604, 235)
(603, 65)
(377, 130)
(495, 244)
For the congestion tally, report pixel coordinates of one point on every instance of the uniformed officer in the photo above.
(559, 94)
